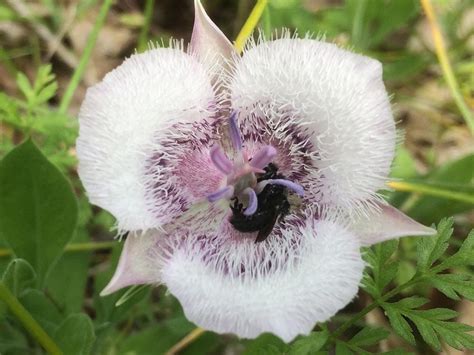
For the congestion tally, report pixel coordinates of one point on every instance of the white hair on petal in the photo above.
(126, 118)
(284, 285)
(337, 97)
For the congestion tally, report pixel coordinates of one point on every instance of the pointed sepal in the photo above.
(388, 223)
(208, 42)
(135, 266)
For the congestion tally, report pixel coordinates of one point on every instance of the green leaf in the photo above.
(382, 269)
(453, 285)
(131, 293)
(25, 86)
(19, 276)
(369, 336)
(75, 335)
(460, 174)
(342, 349)
(433, 324)
(43, 310)
(429, 250)
(264, 341)
(38, 210)
(463, 257)
(399, 324)
(309, 344)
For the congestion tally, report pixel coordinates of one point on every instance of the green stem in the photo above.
(346, 325)
(74, 247)
(28, 321)
(431, 190)
(143, 37)
(446, 64)
(250, 25)
(79, 72)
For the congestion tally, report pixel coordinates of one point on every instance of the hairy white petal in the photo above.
(284, 285)
(125, 123)
(207, 41)
(135, 266)
(334, 99)
(387, 223)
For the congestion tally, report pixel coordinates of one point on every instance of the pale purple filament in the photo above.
(221, 193)
(252, 203)
(263, 157)
(220, 160)
(298, 189)
(234, 131)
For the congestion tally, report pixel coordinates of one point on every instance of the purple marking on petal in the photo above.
(220, 160)
(263, 157)
(221, 193)
(253, 203)
(235, 136)
(298, 189)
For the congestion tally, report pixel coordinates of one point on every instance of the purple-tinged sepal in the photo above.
(388, 223)
(137, 263)
(208, 42)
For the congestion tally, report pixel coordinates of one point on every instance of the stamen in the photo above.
(298, 189)
(220, 160)
(234, 131)
(225, 192)
(263, 157)
(253, 202)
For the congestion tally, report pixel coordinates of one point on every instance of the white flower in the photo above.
(247, 183)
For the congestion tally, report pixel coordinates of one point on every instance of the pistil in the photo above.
(241, 179)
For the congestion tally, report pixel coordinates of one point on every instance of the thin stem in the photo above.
(79, 72)
(189, 338)
(446, 65)
(143, 37)
(28, 321)
(250, 24)
(74, 247)
(430, 190)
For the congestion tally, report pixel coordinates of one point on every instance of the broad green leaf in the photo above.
(71, 298)
(309, 344)
(458, 174)
(42, 308)
(38, 210)
(431, 249)
(75, 335)
(19, 276)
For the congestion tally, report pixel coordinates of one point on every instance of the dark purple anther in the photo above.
(235, 132)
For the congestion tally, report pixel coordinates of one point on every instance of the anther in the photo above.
(298, 189)
(225, 192)
(263, 157)
(220, 160)
(252, 202)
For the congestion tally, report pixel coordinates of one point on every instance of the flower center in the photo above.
(259, 193)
